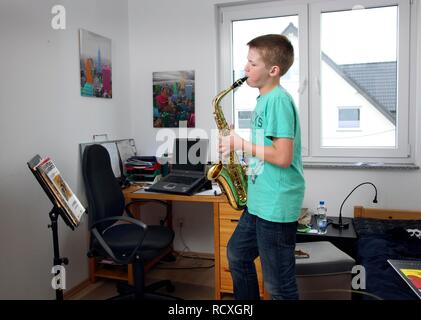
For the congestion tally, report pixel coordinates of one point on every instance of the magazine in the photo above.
(410, 271)
(61, 191)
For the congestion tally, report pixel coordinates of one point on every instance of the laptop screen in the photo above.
(190, 154)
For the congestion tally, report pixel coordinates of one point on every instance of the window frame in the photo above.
(308, 12)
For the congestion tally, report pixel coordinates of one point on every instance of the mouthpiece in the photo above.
(239, 82)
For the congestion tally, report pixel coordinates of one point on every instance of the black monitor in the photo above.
(190, 154)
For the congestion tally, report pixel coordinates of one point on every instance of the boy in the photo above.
(276, 184)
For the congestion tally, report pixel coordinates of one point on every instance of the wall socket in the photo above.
(161, 220)
(180, 221)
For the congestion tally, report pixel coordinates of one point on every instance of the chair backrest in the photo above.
(105, 198)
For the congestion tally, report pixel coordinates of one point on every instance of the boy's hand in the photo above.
(230, 143)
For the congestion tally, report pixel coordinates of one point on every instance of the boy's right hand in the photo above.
(231, 142)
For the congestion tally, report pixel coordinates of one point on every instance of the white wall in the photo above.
(167, 35)
(41, 111)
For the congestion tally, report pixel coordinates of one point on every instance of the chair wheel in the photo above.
(170, 288)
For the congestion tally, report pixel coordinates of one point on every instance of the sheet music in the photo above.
(57, 189)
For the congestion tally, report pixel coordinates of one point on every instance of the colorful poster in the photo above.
(95, 65)
(173, 99)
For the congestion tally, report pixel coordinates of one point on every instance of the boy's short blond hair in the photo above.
(276, 50)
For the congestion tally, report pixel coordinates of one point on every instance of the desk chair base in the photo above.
(139, 291)
(128, 292)
(124, 288)
(146, 296)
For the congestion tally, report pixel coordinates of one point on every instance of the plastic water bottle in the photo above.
(321, 217)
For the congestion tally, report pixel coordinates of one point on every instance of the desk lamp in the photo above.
(344, 225)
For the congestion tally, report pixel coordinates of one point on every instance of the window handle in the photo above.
(303, 86)
(317, 80)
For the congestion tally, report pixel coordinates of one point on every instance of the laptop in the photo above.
(188, 169)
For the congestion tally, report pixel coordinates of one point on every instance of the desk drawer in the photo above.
(226, 229)
(226, 279)
(226, 212)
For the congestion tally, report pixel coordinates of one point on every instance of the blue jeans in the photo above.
(275, 244)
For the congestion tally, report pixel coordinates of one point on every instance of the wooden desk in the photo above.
(225, 221)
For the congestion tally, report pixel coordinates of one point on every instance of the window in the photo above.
(348, 118)
(349, 80)
(244, 119)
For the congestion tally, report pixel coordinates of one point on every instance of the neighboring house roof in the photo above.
(374, 81)
(291, 28)
(377, 78)
(377, 81)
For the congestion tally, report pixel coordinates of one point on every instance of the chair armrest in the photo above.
(116, 218)
(107, 248)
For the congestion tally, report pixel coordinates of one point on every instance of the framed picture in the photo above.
(95, 65)
(173, 99)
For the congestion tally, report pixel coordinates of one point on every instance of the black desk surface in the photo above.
(334, 232)
(344, 239)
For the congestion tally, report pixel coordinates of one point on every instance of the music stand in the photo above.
(54, 214)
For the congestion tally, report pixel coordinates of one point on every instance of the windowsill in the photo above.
(349, 130)
(360, 165)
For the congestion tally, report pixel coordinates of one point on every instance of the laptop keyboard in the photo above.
(180, 179)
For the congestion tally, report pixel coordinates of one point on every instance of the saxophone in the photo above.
(230, 177)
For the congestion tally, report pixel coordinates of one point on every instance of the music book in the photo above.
(59, 191)
(410, 272)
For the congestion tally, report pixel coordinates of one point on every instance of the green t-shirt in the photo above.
(275, 193)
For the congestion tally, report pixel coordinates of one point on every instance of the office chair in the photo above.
(124, 239)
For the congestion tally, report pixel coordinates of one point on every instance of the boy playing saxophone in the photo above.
(276, 185)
